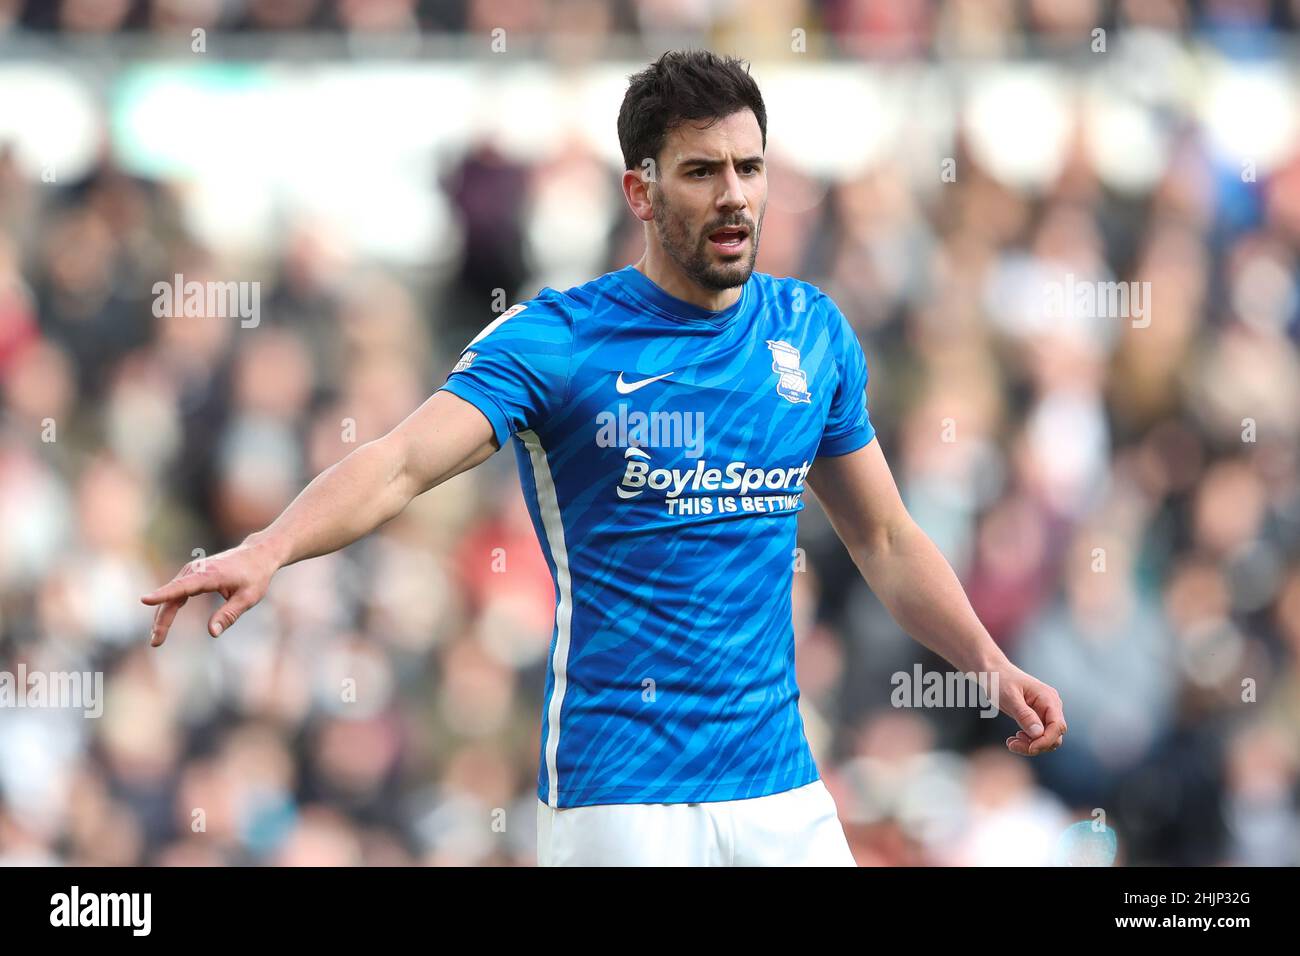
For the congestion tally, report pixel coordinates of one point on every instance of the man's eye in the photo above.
(696, 172)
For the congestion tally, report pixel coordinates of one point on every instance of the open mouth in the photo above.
(730, 238)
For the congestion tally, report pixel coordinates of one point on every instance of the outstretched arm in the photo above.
(443, 437)
(917, 585)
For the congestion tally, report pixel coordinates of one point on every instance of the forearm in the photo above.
(442, 438)
(919, 588)
(343, 503)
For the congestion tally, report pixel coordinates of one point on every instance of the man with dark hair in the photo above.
(666, 418)
(688, 88)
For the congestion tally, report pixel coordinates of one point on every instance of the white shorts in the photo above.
(798, 827)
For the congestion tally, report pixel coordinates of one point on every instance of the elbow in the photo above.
(885, 539)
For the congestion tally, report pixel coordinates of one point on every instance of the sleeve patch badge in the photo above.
(513, 310)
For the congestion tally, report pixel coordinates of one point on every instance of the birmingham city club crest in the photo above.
(793, 382)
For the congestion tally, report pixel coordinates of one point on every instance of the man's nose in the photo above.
(732, 195)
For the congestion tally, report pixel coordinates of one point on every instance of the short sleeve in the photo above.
(516, 371)
(848, 425)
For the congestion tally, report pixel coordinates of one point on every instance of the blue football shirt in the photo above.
(663, 450)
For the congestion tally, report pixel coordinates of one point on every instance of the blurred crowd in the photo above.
(1121, 499)
(889, 28)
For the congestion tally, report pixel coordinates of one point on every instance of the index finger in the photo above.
(178, 588)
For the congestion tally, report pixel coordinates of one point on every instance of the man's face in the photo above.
(710, 197)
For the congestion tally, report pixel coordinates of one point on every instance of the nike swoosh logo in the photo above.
(627, 388)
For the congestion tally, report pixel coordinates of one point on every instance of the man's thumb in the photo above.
(228, 613)
(1027, 718)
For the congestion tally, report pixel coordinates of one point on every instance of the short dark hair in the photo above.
(680, 86)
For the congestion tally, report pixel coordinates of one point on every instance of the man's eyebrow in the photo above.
(702, 161)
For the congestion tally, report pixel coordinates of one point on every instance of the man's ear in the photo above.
(638, 190)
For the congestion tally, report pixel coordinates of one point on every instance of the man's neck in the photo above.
(666, 274)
